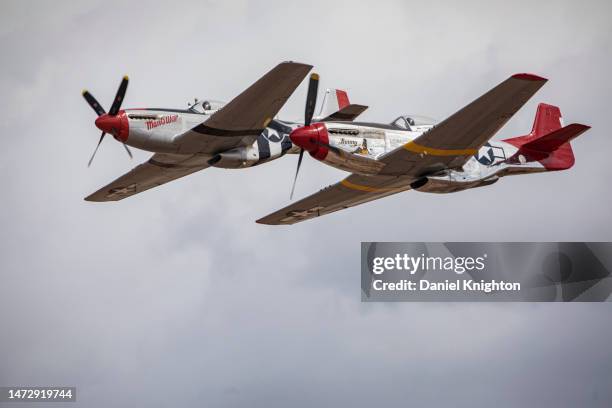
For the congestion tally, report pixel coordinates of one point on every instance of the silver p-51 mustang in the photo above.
(411, 152)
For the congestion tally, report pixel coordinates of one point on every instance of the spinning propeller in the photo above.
(112, 122)
(312, 137)
(311, 101)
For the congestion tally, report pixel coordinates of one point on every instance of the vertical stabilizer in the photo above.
(333, 101)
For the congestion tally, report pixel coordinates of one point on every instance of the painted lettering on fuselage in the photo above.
(349, 142)
(164, 120)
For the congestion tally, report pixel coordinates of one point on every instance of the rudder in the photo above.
(548, 119)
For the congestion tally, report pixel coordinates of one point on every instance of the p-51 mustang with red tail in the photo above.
(411, 152)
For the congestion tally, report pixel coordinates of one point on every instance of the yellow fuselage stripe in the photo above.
(416, 148)
(368, 189)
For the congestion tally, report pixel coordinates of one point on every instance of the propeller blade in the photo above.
(98, 145)
(296, 172)
(311, 98)
(129, 152)
(119, 97)
(95, 105)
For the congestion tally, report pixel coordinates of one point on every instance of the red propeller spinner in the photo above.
(313, 138)
(115, 125)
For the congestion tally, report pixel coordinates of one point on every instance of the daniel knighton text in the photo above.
(396, 271)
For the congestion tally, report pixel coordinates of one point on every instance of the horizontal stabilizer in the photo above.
(552, 141)
(348, 113)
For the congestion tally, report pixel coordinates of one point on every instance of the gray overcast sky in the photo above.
(176, 297)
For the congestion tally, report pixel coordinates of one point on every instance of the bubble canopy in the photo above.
(206, 105)
(409, 121)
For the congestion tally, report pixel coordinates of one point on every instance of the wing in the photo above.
(158, 170)
(452, 142)
(348, 113)
(351, 191)
(244, 118)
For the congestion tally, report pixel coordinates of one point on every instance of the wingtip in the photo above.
(265, 221)
(92, 198)
(582, 127)
(126, 77)
(83, 92)
(529, 77)
(296, 63)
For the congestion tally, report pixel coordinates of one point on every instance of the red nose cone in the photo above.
(311, 138)
(115, 125)
(108, 123)
(305, 137)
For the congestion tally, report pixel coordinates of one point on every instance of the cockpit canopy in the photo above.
(206, 106)
(413, 122)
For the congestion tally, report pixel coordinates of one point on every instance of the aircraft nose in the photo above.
(115, 125)
(311, 138)
(108, 123)
(304, 137)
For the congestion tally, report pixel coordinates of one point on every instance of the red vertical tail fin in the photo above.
(548, 119)
(548, 142)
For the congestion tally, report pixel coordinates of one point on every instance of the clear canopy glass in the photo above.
(409, 121)
(207, 105)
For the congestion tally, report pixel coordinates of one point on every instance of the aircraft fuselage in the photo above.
(176, 131)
